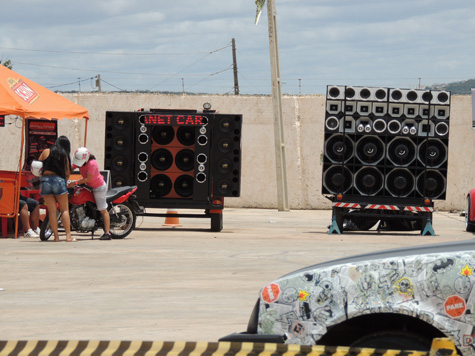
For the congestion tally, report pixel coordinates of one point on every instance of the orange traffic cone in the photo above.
(170, 220)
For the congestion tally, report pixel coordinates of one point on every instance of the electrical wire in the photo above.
(199, 60)
(211, 75)
(105, 53)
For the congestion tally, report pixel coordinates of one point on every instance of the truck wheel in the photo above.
(469, 226)
(394, 340)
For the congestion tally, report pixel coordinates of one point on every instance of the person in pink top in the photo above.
(89, 169)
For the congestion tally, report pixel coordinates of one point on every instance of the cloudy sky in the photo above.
(186, 44)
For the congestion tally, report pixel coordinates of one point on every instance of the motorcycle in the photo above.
(85, 217)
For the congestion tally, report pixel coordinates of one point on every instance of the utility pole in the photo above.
(281, 166)
(236, 84)
(98, 83)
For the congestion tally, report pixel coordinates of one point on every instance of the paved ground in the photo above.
(168, 284)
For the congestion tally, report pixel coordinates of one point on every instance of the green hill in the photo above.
(462, 88)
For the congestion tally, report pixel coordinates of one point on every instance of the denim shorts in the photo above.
(53, 185)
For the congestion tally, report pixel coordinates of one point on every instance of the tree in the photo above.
(8, 63)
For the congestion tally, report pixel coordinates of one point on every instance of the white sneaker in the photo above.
(31, 233)
(37, 231)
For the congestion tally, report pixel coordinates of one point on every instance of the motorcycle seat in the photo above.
(117, 192)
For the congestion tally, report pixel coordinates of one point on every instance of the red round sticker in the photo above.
(454, 306)
(270, 293)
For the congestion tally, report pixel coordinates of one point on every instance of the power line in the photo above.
(104, 53)
(199, 60)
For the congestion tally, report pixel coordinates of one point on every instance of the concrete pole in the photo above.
(281, 166)
(235, 69)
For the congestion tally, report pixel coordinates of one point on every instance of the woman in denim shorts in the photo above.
(56, 169)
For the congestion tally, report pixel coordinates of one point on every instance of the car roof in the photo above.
(445, 247)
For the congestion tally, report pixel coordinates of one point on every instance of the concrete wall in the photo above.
(303, 125)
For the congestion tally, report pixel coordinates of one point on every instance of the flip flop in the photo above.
(71, 240)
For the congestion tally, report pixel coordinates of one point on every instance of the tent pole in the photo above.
(16, 203)
(85, 132)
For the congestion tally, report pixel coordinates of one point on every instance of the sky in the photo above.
(185, 45)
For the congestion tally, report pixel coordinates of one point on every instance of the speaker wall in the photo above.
(226, 155)
(119, 147)
(383, 142)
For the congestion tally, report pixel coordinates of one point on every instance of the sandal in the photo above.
(71, 240)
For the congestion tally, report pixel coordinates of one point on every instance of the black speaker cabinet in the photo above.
(119, 147)
(176, 158)
(226, 155)
(384, 142)
(172, 157)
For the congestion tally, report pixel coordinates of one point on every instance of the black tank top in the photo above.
(57, 161)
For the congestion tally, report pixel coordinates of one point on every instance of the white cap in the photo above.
(81, 156)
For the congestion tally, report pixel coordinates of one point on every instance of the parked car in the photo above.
(470, 213)
(395, 299)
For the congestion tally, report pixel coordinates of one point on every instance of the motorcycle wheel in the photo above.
(45, 229)
(122, 218)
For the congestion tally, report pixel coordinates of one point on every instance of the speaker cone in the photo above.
(350, 93)
(226, 124)
(380, 94)
(370, 150)
(332, 123)
(184, 160)
(201, 158)
(427, 96)
(412, 96)
(401, 151)
(431, 184)
(400, 182)
(432, 153)
(379, 125)
(441, 129)
(119, 163)
(184, 186)
(442, 97)
(186, 135)
(119, 181)
(160, 185)
(334, 92)
(163, 135)
(162, 159)
(337, 179)
(119, 143)
(369, 181)
(394, 127)
(120, 123)
(225, 166)
(201, 177)
(142, 176)
(365, 94)
(143, 138)
(224, 187)
(143, 157)
(339, 148)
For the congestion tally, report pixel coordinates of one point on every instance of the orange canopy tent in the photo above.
(24, 98)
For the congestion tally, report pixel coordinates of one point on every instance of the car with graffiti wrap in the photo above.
(396, 299)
